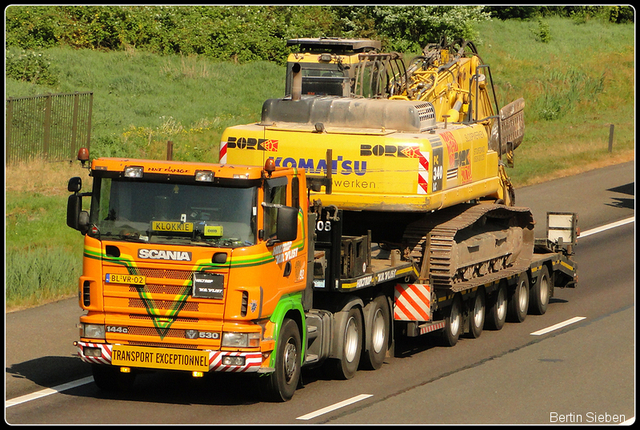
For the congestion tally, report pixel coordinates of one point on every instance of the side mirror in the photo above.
(74, 206)
(281, 223)
(75, 184)
(287, 229)
(77, 219)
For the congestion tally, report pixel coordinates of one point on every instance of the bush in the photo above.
(237, 33)
(410, 28)
(543, 32)
(29, 66)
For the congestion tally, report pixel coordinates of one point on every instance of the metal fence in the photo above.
(49, 126)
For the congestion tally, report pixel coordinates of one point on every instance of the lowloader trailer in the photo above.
(202, 268)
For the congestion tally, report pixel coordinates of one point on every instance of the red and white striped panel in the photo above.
(253, 361)
(423, 173)
(104, 348)
(431, 327)
(223, 153)
(412, 302)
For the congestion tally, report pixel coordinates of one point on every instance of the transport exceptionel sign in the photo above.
(160, 358)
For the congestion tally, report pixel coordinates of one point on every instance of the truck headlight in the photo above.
(240, 340)
(93, 331)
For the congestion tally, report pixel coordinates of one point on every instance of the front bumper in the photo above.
(176, 359)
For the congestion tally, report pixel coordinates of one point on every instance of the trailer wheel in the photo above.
(453, 322)
(110, 379)
(540, 293)
(377, 317)
(349, 343)
(519, 300)
(497, 309)
(476, 319)
(280, 385)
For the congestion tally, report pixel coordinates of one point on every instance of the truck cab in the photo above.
(190, 266)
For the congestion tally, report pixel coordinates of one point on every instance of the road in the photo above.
(583, 372)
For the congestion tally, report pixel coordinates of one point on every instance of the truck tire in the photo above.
(519, 300)
(377, 323)
(280, 385)
(540, 293)
(452, 323)
(110, 379)
(477, 316)
(348, 332)
(497, 308)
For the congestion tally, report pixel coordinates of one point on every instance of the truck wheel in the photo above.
(280, 385)
(476, 319)
(377, 317)
(497, 309)
(349, 343)
(453, 323)
(110, 379)
(540, 293)
(519, 300)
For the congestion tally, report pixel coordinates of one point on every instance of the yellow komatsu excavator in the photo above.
(417, 155)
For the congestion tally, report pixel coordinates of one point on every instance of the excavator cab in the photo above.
(328, 64)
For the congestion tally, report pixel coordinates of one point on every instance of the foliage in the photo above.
(250, 33)
(613, 14)
(237, 33)
(543, 32)
(410, 28)
(29, 66)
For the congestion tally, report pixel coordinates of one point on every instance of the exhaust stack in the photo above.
(296, 90)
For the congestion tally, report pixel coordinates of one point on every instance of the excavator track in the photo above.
(471, 244)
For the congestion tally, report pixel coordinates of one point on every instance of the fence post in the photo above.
(611, 137)
(74, 124)
(7, 146)
(47, 125)
(89, 119)
(169, 150)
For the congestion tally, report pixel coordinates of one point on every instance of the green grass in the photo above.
(575, 84)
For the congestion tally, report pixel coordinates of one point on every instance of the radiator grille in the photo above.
(163, 304)
(159, 289)
(181, 275)
(177, 319)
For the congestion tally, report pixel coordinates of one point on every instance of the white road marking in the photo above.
(606, 227)
(557, 326)
(48, 391)
(339, 405)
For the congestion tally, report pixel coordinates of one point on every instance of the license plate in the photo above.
(180, 227)
(160, 358)
(114, 278)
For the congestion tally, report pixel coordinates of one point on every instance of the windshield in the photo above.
(322, 79)
(160, 212)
